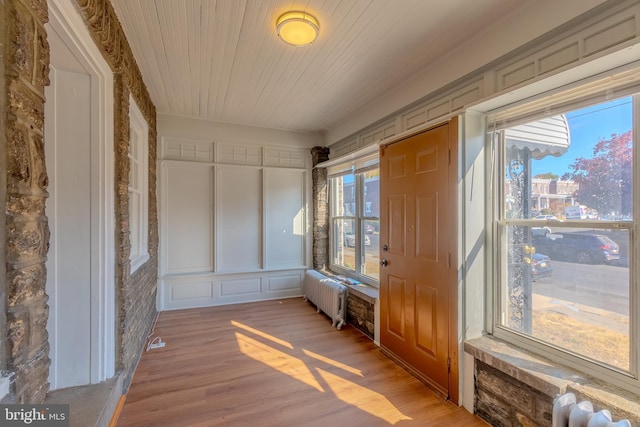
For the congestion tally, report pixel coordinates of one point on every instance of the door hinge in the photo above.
(448, 364)
(449, 155)
(449, 260)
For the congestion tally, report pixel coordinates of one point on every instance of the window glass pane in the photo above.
(566, 281)
(343, 196)
(344, 242)
(371, 194)
(371, 264)
(134, 223)
(574, 166)
(578, 282)
(348, 195)
(133, 175)
(133, 142)
(336, 196)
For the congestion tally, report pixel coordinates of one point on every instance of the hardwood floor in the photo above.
(275, 363)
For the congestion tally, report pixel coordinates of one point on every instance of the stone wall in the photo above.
(3, 192)
(503, 401)
(516, 388)
(360, 314)
(26, 73)
(320, 209)
(24, 232)
(136, 293)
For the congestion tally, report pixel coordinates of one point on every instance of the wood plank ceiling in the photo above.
(221, 60)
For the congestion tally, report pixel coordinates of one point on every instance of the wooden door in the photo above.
(418, 282)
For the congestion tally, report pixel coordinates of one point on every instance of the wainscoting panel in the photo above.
(284, 283)
(203, 290)
(237, 287)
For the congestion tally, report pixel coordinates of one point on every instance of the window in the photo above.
(565, 276)
(138, 186)
(355, 221)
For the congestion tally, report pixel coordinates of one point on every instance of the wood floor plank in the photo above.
(275, 363)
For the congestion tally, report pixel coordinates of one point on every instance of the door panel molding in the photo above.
(427, 160)
(396, 306)
(397, 167)
(426, 324)
(397, 214)
(427, 226)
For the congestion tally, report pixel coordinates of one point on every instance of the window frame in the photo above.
(497, 224)
(138, 153)
(359, 218)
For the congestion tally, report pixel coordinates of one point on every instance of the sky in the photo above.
(587, 126)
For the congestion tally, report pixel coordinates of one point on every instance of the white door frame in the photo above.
(67, 23)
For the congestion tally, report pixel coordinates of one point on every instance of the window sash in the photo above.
(358, 217)
(498, 224)
(138, 187)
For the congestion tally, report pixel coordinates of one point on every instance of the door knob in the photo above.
(384, 263)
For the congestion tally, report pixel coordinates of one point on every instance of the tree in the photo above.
(606, 180)
(548, 175)
(372, 173)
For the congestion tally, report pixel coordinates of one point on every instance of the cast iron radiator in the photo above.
(568, 413)
(328, 295)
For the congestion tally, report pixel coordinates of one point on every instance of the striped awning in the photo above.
(544, 137)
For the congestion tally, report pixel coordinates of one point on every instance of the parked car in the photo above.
(552, 217)
(584, 248)
(369, 228)
(540, 231)
(350, 240)
(540, 266)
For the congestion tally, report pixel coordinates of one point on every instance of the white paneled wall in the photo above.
(238, 218)
(234, 224)
(186, 219)
(284, 218)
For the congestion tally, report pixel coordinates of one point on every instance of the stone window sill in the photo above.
(364, 291)
(367, 292)
(552, 379)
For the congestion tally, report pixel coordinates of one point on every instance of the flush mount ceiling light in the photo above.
(297, 28)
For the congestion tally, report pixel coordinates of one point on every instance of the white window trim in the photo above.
(618, 378)
(332, 218)
(359, 219)
(138, 126)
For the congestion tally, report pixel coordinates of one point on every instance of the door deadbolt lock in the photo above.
(385, 248)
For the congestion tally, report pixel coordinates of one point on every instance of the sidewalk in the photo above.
(583, 313)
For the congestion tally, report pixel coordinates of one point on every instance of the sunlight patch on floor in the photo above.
(364, 399)
(277, 360)
(332, 362)
(261, 334)
(305, 370)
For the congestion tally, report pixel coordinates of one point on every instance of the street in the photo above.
(601, 286)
